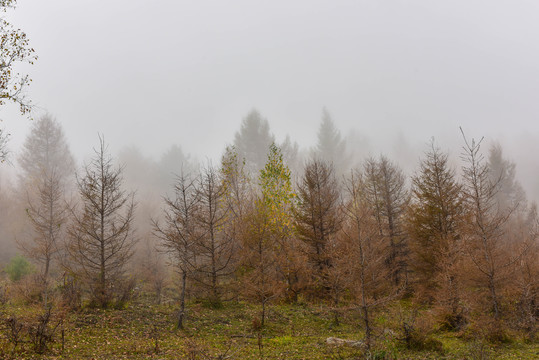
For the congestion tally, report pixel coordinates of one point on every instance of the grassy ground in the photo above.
(142, 331)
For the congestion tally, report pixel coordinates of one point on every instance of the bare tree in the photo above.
(179, 234)
(101, 235)
(214, 247)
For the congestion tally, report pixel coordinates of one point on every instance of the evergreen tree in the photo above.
(502, 173)
(253, 140)
(331, 147)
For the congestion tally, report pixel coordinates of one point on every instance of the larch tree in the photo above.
(48, 170)
(45, 150)
(215, 247)
(485, 232)
(179, 233)
(362, 260)
(435, 218)
(258, 268)
(524, 287)
(236, 187)
(266, 251)
(238, 196)
(387, 195)
(317, 219)
(278, 197)
(101, 235)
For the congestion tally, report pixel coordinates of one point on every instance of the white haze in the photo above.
(157, 73)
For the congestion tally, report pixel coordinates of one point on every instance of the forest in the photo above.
(273, 252)
(270, 250)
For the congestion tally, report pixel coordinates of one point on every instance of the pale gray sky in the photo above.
(154, 73)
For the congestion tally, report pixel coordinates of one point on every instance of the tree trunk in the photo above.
(181, 313)
(263, 315)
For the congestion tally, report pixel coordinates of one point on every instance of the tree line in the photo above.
(260, 226)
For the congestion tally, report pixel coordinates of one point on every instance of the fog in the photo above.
(392, 74)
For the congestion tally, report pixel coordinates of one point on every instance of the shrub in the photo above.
(416, 333)
(18, 267)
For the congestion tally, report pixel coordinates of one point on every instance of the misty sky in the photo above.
(157, 73)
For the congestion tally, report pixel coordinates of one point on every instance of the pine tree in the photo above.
(253, 140)
(510, 195)
(331, 147)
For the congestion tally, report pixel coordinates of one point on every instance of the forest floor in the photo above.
(144, 331)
